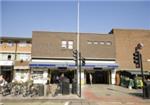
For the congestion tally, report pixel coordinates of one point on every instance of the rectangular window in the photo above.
(24, 57)
(67, 44)
(36, 75)
(10, 43)
(89, 42)
(108, 43)
(70, 44)
(64, 44)
(22, 44)
(101, 43)
(95, 42)
(7, 56)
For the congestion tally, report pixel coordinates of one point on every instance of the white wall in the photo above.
(113, 75)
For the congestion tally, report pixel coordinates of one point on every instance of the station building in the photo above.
(105, 54)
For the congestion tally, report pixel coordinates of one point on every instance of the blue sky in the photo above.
(19, 18)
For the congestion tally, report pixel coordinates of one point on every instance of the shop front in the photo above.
(21, 71)
(6, 69)
(49, 71)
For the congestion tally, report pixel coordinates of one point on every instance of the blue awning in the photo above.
(42, 65)
(47, 65)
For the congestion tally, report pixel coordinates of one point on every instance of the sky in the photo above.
(18, 18)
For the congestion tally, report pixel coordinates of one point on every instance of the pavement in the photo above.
(114, 95)
(91, 95)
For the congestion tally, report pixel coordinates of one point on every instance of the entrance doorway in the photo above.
(57, 73)
(98, 77)
(7, 73)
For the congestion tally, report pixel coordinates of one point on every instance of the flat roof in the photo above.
(15, 39)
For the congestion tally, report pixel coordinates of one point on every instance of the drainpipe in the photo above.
(15, 51)
(13, 73)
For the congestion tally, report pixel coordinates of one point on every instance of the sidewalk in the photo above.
(58, 97)
(111, 94)
(91, 95)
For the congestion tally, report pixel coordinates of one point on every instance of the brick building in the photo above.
(15, 54)
(105, 54)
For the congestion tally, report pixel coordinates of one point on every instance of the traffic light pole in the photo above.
(80, 72)
(141, 66)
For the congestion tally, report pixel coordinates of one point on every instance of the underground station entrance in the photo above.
(56, 74)
(98, 76)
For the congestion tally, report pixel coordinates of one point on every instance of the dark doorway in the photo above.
(57, 73)
(7, 73)
(98, 77)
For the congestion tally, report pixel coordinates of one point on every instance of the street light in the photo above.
(78, 50)
(139, 46)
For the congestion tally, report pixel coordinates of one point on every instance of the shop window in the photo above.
(21, 75)
(37, 75)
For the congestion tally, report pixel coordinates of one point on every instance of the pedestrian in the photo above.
(57, 79)
(91, 78)
(2, 81)
(62, 77)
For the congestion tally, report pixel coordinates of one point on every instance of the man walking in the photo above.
(91, 78)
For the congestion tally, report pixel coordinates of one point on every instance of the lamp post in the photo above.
(78, 50)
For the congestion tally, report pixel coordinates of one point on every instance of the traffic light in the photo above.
(75, 55)
(83, 61)
(136, 58)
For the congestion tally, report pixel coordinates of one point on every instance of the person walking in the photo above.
(91, 78)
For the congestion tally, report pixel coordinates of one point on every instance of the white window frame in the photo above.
(101, 42)
(89, 42)
(108, 43)
(63, 44)
(22, 44)
(9, 43)
(95, 42)
(70, 44)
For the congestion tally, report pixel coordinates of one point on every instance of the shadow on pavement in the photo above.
(116, 90)
(137, 94)
(140, 95)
